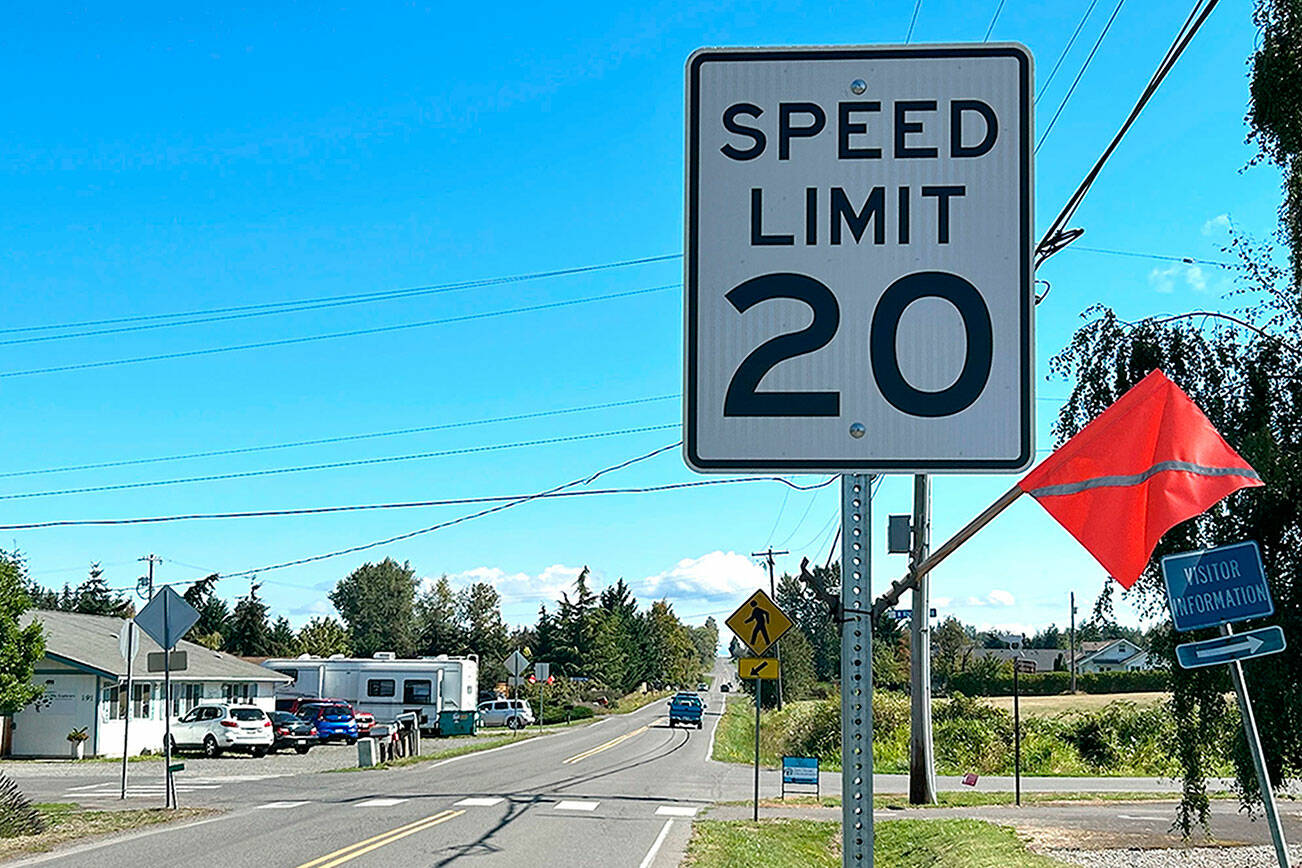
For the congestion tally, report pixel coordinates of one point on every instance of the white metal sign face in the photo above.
(859, 289)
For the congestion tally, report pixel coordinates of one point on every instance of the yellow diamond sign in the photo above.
(759, 622)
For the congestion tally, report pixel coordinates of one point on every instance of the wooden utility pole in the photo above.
(922, 765)
(773, 593)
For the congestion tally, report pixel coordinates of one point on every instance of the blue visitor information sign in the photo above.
(1217, 586)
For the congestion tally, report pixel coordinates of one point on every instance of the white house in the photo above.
(1116, 655)
(84, 677)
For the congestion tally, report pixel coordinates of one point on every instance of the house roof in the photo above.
(91, 642)
(1044, 657)
(1094, 649)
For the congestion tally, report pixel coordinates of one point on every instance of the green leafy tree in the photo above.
(248, 633)
(811, 615)
(797, 667)
(377, 602)
(322, 637)
(1241, 368)
(951, 649)
(21, 647)
(672, 658)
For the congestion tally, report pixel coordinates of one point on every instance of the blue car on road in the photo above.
(332, 720)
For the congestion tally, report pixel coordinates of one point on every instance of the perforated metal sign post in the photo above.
(856, 674)
(858, 281)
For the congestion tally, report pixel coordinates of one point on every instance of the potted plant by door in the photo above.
(77, 739)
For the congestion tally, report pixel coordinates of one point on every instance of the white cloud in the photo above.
(522, 587)
(1164, 280)
(997, 597)
(714, 575)
(1218, 225)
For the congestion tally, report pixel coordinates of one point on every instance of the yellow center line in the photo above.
(352, 851)
(607, 746)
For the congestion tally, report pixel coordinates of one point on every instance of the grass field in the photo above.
(898, 844)
(1048, 706)
(68, 822)
(980, 798)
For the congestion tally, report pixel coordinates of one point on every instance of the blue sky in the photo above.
(156, 161)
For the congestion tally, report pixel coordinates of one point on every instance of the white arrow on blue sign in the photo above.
(1227, 649)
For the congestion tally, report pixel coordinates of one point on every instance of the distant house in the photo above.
(1115, 655)
(84, 676)
(1033, 659)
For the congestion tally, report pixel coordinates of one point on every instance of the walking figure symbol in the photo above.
(760, 617)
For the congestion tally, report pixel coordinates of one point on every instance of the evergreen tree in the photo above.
(377, 602)
(249, 634)
(281, 640)
(213, 613)
(93, 597)
(798, 667)
(436, 620)
(479, 619)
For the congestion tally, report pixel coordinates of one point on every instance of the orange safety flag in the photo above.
(1147, 463)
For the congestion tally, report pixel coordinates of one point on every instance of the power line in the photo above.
(343, 438)
(1058, 236)
(1187, 260)
(584, 480)
(335, 335)
(993, 19)
(353, 298)
(1080, 25)
(334, 465)
(1079, 75)
(912, 21)
(414, 504)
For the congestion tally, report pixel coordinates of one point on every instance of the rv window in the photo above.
(292, 673)
(380, 687)
(416, 691)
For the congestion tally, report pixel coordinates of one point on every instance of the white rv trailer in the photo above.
(384, 685)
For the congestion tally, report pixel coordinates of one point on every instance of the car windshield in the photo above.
(333, 710)
(247, 714)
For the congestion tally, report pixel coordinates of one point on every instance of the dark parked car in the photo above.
(292, 732)
(331, 719)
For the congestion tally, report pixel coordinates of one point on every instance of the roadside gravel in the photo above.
(1191, 857)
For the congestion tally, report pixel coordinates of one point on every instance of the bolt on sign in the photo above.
(858, 277)
(758, 622)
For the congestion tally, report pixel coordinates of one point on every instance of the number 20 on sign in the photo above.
(858, 276)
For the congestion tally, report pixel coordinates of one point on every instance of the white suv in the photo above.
(217, 728)
(513, 713)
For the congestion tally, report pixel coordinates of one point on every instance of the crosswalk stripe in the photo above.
(279, 805)
(675, 811)
(577, 806)
(380, 803)
(480, 802)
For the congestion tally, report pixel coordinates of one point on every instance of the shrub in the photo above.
(17, 816)
(562, 713)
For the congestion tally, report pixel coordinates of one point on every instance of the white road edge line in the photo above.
(64, 852)
(709, 751)
(655, 848)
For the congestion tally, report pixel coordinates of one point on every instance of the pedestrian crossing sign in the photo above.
(759, 622)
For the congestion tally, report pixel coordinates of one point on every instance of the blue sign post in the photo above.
(1214, 588)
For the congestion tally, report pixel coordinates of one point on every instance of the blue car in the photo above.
(332, 720)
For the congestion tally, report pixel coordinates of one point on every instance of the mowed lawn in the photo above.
(1048, 706)
(898, 844)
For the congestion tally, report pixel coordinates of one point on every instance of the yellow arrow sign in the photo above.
(766, 668)
(759, 622)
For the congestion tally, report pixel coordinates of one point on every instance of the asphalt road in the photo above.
(618, 793)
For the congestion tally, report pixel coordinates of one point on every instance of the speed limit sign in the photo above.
(859, 291)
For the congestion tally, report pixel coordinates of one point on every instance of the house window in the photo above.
(381, 687)
(142, 696)
(416, 691)
(240, 693)
(115, 702)
(185, 697)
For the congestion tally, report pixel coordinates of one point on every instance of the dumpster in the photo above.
(457, 722)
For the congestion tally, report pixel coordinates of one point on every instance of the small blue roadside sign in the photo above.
(1227, 649)
(799, 771)
(1217, 586)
